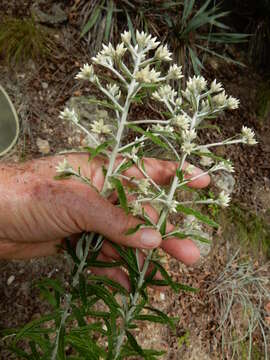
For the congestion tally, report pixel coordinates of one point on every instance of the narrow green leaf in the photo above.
(151, 136)
(121, 193)
(152, 318)
(134, 344)
(188, 6)
(99, 149)
(104, 264)
(163, 227)
(82, 289)
(165, 275)
(109, 20)
(61, 355)
(130, 27)
(182, 235)
(26, 330)
(195, 61)
(106, 281)
(92, 21)
(21, 354)
(77, 312)
(205, 219)
(171, 321)
(133, 230)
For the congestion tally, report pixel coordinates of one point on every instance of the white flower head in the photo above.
(190, 169)
(146, 75)
(163, 53)
(233, 103)
(136, 208)
(189, 135)
(99, 127)
(114, 90)
(102, 59)
(187, 94)
(120, 50)
(181, 121)
(126, 37)
(86, 73)
(248, 136)
(196, 84)
(223, 199)
(220, 99)
(144, 186)
(178, 101)
(156, 96)
(216, 87)
(152, 43)
(108, 50)
(133, 154)
(142, 38)
(188, 147)
(226, 166)
(162, 128)
(206, 160)
(164, 92)
(172, 206)
(69, 114)
(175, 72)
(63, 167)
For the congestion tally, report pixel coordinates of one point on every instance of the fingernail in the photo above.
(150, 238)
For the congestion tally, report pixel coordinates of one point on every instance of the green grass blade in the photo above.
(188, 6)
(196, 63)
(109, 20)
(225, 58)
(92, 21)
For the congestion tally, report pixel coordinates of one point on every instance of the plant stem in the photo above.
(121, 127)
(68, 299)
(133, 304)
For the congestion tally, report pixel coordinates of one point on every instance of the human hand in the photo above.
(37, 211)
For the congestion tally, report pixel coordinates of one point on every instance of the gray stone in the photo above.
(224, 181)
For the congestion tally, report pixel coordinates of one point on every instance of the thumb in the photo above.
(91, 212)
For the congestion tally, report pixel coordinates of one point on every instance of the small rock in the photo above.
(224, 181)
(43, 146)
(162, 296)
(44, 85)
(10, 280)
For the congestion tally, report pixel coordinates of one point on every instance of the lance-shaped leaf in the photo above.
(205, 219)
(121, 193)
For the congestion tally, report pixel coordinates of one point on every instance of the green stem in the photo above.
(68, 299)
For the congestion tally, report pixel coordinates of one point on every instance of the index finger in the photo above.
(162, 172)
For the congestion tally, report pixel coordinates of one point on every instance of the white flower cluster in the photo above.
(99, 127)
(197, 84)
(181, 121)
(162, 53)
(223, 199)
(136, 208)
(162, 128)
(147, 75)
(206, 160)
(248, 136)
(164, 93)
(144, 40)
(63, 168)
(222, 100)
(174, 72)
(70, 115)
(114, 90)
(86, 73)
(109, 54)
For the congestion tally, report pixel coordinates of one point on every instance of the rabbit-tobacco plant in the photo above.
(76, 319)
